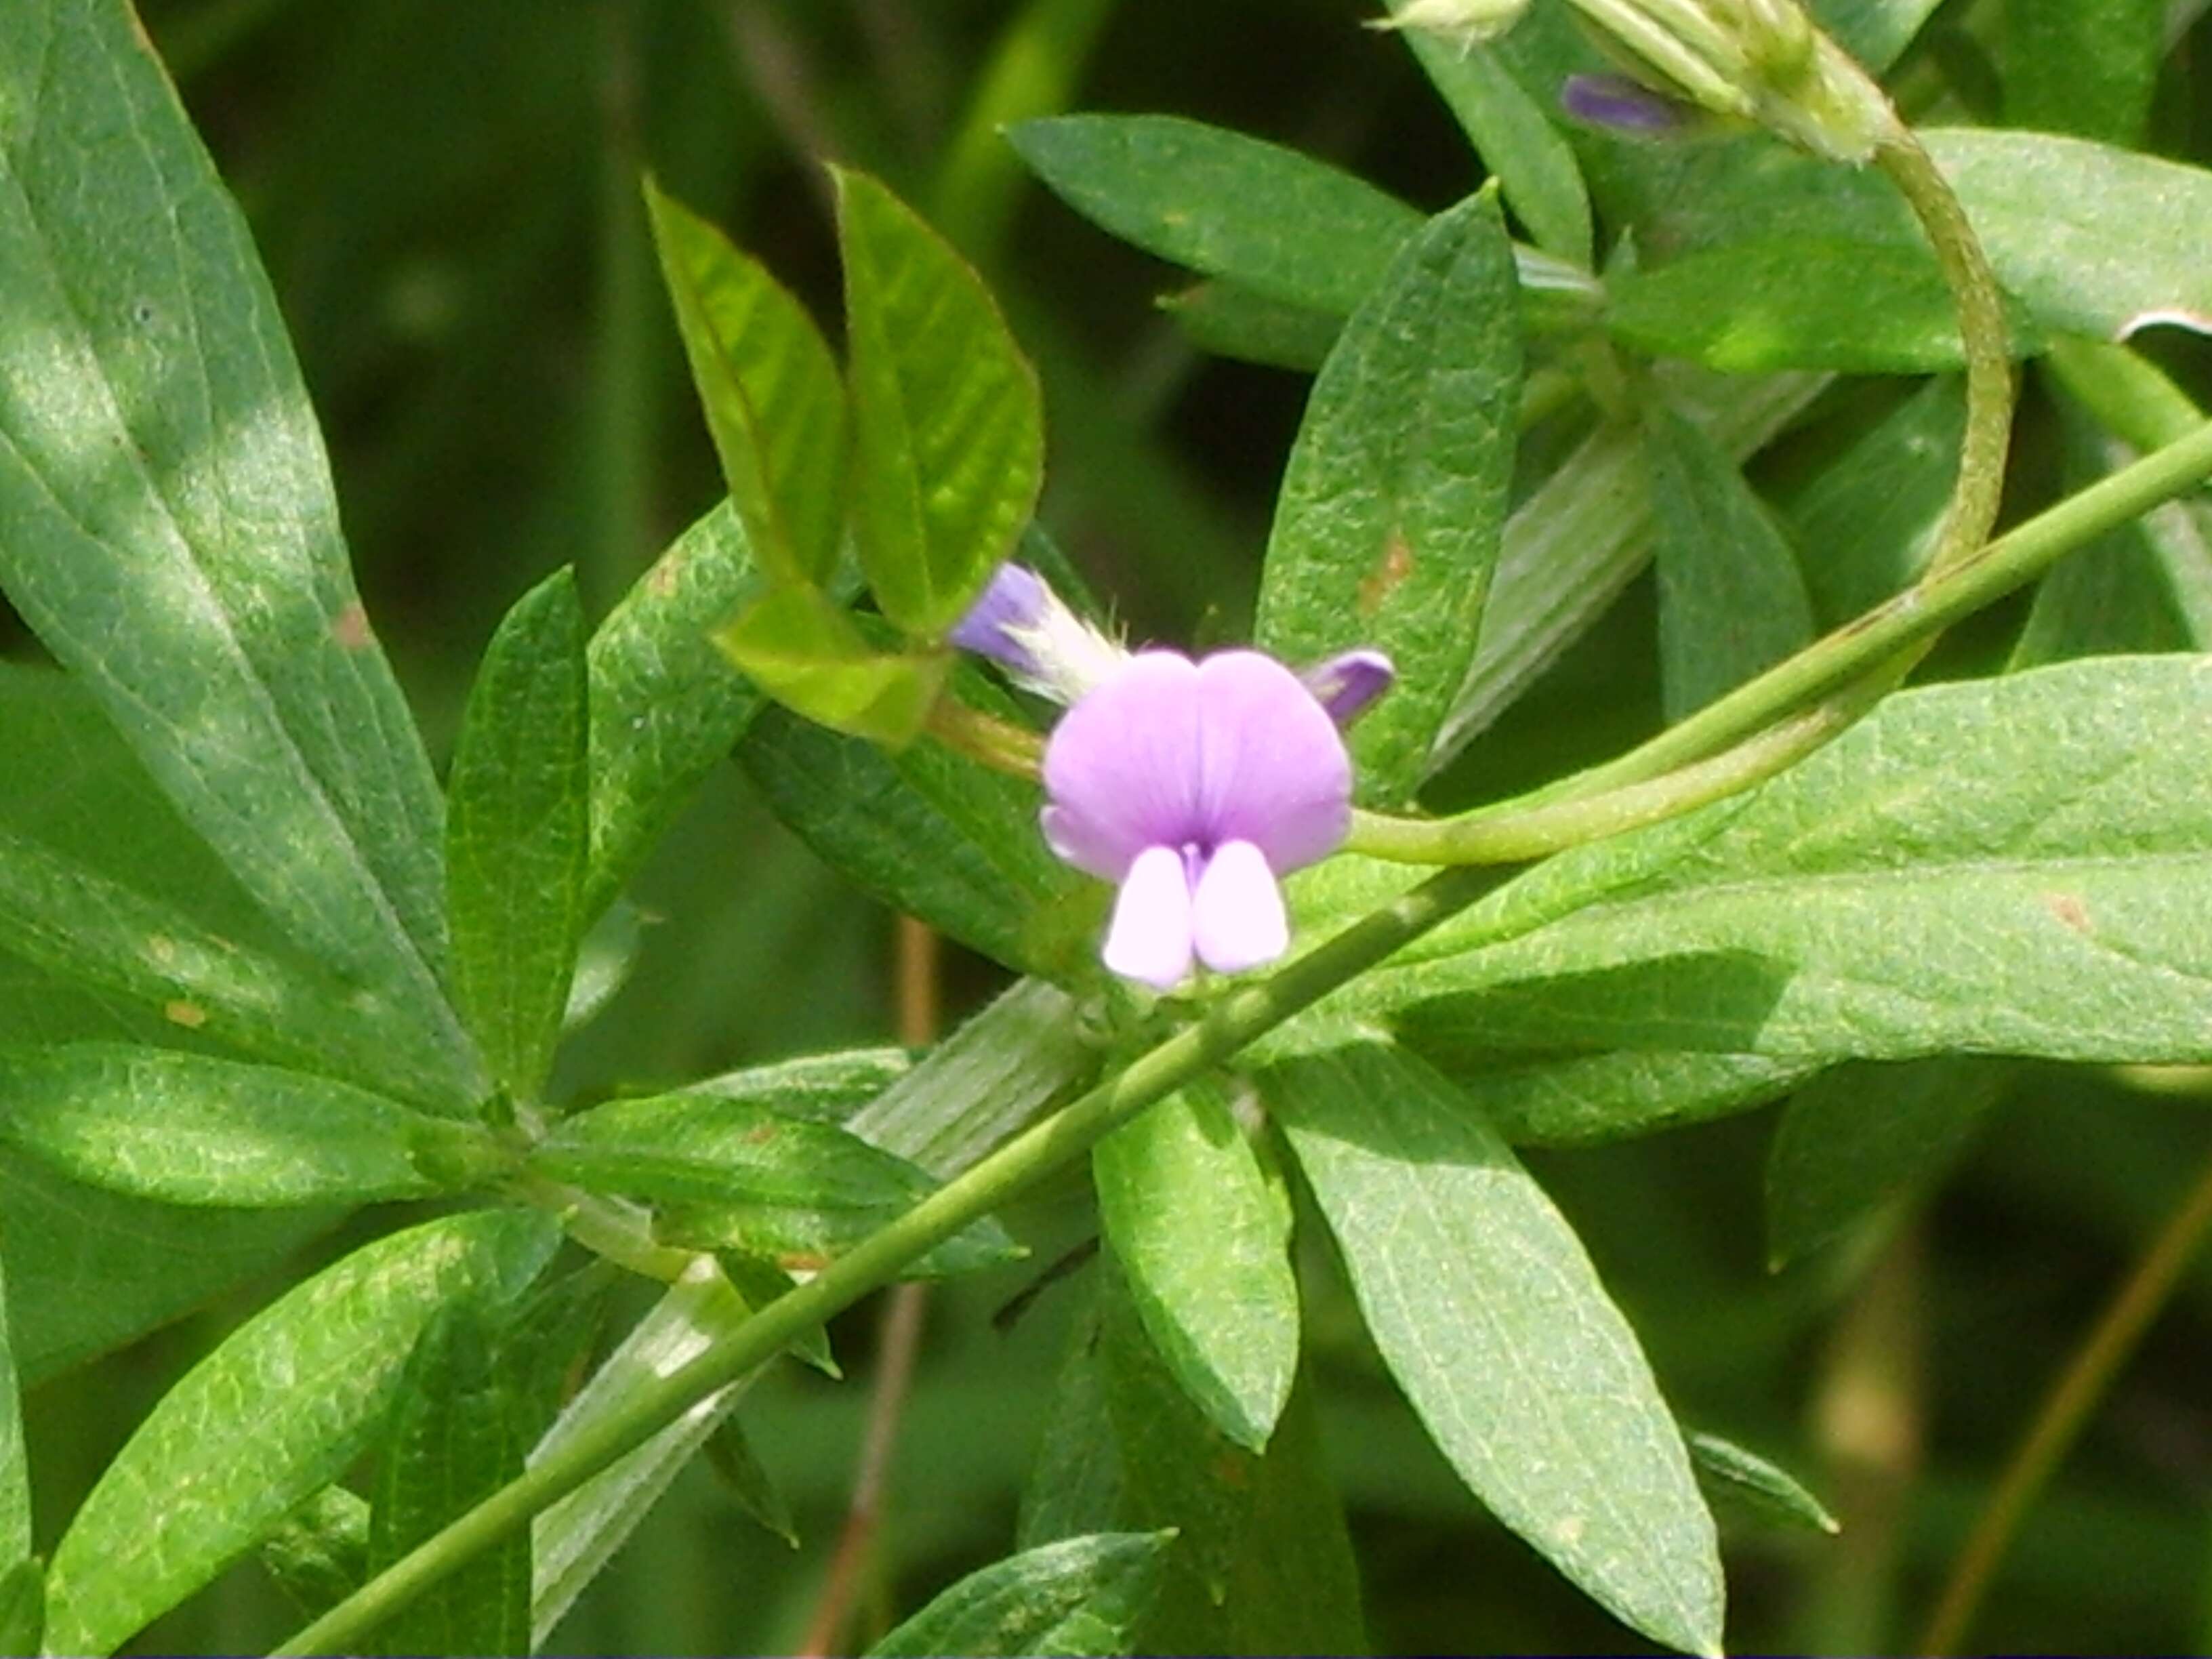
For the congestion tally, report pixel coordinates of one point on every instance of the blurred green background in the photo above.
(444, 193)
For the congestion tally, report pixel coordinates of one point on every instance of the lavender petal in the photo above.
(1347, 683)
(1121, 768)
(1150, 937)
(1272, 770)
(1016, 598)
(1237, 919)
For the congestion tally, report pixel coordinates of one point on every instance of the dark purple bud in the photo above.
(1014, 604)
(1620, 104)
(1348, 682)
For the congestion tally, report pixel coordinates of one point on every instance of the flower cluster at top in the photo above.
(1194, 786)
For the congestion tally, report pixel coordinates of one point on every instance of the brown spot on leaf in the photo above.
(661, 580)
(1390, 570)
(802, 1262)
(760, 1135)
(190, 1015)
(2069, 910)
(351, 628)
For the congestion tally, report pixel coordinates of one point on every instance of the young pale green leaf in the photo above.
(1204, 1245)
(167, 524)
(191, 1129)
(1732, 600)
(1080, 1597)
(518, 834)
(2145, 587)
(274, 1414)
(932, 834)
(735, 1175)
(803, 650)
(1868, 523)
(1583, 535)
(1757, 306)
(14, 1468)
(774, 405)
(2083, 66)
(1261, 1563)
(948, 421)
(666, 705)
(1283, 225)
(319, 1554)
(453, 1438)
(729, 1454)
(2013, 866)
(1858, 1137)
(1394, 500)
(574, 1539)
(1493, 1321)
(1515, 136)
(1726, 1471)
(88, 1270)
(23, 1610)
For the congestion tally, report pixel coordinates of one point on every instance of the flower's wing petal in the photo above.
(1271, 769)
(1149, 938)
(1121, 767)
(1238, 919)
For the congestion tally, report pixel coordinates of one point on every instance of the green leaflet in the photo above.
(774, 405)
(948, 421)
(1203, 1243)
(23, 1609)
(518, 834)
(455, 1436)
(1393, 502)
(1489, 1315)
(14, 1469)
(1232, 321)
(167, 520)
(666, 706)
(802, 649)
(2007, 866)
(319, 1554)
(1859, 1136)
(1078, 1596)
(1731, 598)
(188, 1129)
(2083, 66)
(1726, 1469)
(273, 1415)
(1867, 523)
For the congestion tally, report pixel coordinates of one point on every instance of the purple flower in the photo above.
(1195, 787)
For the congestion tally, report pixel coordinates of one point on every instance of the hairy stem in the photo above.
(2064, 1412)
(1755, 719)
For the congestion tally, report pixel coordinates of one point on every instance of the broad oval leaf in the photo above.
(518, 834)
(273, 1415)
(1490, 1315)
(191, 1129)
(1203, 1243)
(1079, 1596)
(948, 421)
(167, 520)
(774, 405)
(1393, 504)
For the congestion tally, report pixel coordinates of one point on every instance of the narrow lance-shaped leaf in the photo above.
(1726, 1469)
(1394, 504)
(453, 1438)
(1491, 1317)
(166, 518)
(1203, 1243)
(274, 1414)
(2083, 66)
(774, 405)
(1731, 598)
(1080, 1597)
(318, 1555)
(23, 1610)
(666, 704)
(518, 834)
(14, 1468)
(948, 423)
(191, 1129)
(1867, 523)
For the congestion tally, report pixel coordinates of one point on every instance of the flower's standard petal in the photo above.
(1121, 767)
(1272, 770)
(1149, 938)
(1238, 919)
(1348, 682)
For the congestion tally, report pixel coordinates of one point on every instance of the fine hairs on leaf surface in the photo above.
(485, 1146)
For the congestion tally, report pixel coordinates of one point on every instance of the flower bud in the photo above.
(1469, 22)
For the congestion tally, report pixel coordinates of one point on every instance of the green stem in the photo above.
(1015, 1168)
(1737, 735)
(2064, 1411)
(2127, 394)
